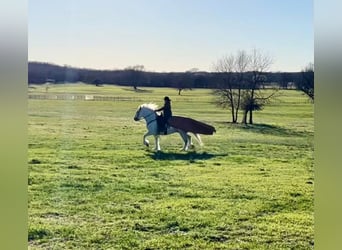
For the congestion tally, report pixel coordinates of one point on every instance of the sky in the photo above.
(169, 35)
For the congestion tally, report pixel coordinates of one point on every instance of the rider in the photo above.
(167, 113)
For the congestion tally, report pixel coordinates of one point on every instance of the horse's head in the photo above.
(144, 110)
(137, 116)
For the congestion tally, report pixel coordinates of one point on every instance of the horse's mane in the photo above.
(152, 106)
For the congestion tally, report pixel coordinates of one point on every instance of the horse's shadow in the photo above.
(188, 156)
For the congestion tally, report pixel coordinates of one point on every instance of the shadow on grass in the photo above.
(269, 129)
(276, 130)
(138, 90)
(189, 156)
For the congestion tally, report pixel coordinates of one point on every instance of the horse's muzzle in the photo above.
(136, 119)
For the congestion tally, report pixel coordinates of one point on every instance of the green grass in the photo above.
(92, 184)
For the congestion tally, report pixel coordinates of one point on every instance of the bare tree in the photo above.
(242, 64)
(226, 93)
(306, 82)
(255, 103)
(259, 64)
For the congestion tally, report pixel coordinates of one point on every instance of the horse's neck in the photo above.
(151, 115)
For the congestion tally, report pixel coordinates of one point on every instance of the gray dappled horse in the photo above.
(147, 112)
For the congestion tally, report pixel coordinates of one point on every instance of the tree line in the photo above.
(136, 76)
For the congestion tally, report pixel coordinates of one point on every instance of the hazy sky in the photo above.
(169, 35)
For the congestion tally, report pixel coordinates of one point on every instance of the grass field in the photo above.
(92, 184)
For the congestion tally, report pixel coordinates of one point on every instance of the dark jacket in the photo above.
(167, 113)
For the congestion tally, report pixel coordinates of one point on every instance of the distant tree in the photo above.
(306, 81)
(135, 75)
(97, 82)
(284, 80)
(185, 81)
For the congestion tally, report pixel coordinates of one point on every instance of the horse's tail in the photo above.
(198, 138)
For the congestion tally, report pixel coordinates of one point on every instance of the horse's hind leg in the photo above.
(156, 137)
(185, 140)
(199, 140)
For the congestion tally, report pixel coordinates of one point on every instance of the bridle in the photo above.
(148, 122)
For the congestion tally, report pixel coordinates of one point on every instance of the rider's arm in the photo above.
(157, 110)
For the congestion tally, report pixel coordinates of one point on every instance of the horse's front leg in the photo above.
(145, 141)
(156, 137)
